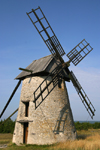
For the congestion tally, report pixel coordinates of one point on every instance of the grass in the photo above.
(87, 140)
(5, 138)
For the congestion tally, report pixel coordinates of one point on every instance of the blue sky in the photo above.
(20, 44)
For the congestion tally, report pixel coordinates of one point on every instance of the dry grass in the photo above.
(5, 138)
(87, 140)
(90, 143)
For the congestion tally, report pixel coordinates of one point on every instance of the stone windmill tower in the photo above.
(44, 114)
(43, 122)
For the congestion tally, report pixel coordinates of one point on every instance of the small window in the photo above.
(26, 109)
(59, 83)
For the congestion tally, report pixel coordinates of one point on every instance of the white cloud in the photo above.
(89, 78)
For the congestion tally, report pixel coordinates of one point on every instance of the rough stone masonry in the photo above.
(51, 122)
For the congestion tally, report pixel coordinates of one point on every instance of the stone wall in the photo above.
(51, 122)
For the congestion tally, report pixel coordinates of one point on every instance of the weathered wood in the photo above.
(19, 82)
(27, 70)
(10, 116)
(25, 132)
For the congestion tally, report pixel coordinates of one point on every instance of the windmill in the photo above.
(60, 125)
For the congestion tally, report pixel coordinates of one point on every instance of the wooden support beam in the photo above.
(10, 116)
(11, 97)
(27, 70)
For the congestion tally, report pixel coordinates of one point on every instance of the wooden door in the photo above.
(25, 132)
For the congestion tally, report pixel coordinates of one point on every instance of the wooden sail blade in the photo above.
(15, 89)
(10, 116)
(85, 100)
(47, 34)
(79, 52)
(50, 82)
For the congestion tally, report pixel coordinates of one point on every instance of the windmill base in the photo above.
(50, 123)
(45, 138)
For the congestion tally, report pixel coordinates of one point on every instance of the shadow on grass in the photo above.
(39, 146)
(82, 136)
(13, 146)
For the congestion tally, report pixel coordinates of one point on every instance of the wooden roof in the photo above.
(40, 67)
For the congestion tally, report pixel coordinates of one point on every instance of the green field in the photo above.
(87, 140)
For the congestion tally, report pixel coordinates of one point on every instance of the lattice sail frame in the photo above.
(47, 34)
(83, 96)
(75, 55)
(79, 52)
(56, 49)
(57, 73)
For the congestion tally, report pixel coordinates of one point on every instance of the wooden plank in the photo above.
(11, 97)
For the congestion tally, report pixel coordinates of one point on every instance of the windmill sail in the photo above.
(62, 120)
(49, 85)
(10, 116)
(47, 34)
(79, 52)
(15, 89)
(85, 100)
(75, 55)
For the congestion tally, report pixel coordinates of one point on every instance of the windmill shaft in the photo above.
(10, 97)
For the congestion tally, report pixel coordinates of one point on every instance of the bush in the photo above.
(96, 125)
(7, 126)
(87, 125)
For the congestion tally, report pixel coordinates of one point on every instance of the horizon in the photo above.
(71, 21)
